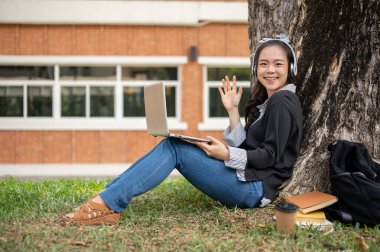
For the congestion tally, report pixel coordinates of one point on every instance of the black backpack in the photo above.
(355, 180)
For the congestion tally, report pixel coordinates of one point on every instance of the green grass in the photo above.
(173, 217)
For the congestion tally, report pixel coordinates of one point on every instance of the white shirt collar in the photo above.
(289, 87)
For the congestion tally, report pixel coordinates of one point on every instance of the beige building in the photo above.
(72, 74)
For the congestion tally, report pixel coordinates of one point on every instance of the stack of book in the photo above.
(310, 207)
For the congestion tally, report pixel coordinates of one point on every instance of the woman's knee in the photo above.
(254, 196)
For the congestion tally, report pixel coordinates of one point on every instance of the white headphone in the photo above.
(284, 39)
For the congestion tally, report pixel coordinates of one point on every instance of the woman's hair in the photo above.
(258, 92)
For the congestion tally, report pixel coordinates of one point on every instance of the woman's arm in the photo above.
(230, 96)
(236, 136)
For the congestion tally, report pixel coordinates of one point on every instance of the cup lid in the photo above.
(285, 206)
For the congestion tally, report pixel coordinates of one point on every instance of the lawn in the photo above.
(173, 217)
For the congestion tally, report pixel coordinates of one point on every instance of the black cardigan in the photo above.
(273, 142)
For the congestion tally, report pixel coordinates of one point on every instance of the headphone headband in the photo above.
(281, 38)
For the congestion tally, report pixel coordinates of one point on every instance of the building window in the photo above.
(134, 79)
(133, 98)
(134, 101)
(87, 92)
(27, 72)
(11, 101)
(170, 101)
(215, 116)
(214, 77)
(40, 101)
(30, 85)
(102, 98)
(102, 101)
(73, 101)
(149, 73)
(87, 73)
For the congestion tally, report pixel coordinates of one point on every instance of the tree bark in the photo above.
(268, 18)
(337, 44)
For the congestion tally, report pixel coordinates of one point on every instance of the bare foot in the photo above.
(99, 200)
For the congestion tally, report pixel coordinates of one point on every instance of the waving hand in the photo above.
(231, 96)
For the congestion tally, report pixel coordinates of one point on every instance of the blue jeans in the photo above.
(209, 175)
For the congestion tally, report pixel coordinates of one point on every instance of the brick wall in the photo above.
(18, 147)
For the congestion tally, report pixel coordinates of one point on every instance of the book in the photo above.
(316, 217)
(312, 201)
(326, 225)
(320, 222)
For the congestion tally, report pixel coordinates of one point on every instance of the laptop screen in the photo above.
(155, 109)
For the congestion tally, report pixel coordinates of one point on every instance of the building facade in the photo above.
(71, 85)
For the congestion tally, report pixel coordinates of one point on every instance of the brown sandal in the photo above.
(92, 213)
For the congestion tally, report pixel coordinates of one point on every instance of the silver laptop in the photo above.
(155, 111)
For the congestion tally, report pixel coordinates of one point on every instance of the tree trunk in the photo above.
(337, 44)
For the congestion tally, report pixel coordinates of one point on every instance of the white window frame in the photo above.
(118, 122)
(25, 84)
(140, 83)
(218, 123)
(87, 84)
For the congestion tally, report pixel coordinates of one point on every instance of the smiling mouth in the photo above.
(270, 78)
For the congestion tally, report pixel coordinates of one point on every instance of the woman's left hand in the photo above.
(216, 149)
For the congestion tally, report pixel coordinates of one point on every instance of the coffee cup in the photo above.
(286, 214)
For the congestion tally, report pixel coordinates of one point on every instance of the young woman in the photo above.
(248, 172)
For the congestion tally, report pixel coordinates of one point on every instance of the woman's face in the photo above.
(272, 68)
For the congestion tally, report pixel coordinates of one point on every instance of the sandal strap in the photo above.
(92, 210)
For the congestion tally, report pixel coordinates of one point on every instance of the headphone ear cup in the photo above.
(292, 69)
